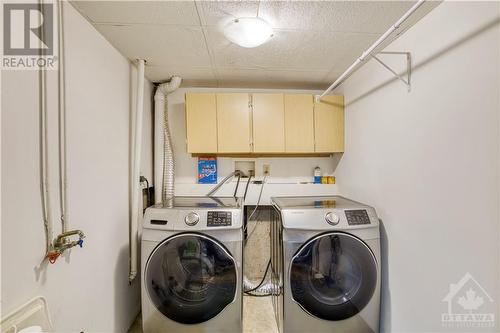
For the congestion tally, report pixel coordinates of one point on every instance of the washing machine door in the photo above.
(333, 276)
(190, 278)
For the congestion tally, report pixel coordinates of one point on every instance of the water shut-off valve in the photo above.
(62, 244)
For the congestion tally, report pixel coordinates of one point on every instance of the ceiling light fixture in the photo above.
(248, 31)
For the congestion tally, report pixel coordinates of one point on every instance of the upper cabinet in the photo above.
(201, 123)
(299, 123)
(233, 123)
(329, 125)
(268, 123)
(262, 123)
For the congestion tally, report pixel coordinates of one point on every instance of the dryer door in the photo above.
(190, 278)
(333, 276)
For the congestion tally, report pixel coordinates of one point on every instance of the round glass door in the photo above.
(190, 278)
(333, 276)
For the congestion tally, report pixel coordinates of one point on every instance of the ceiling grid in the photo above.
(313, 42)
(209, 50)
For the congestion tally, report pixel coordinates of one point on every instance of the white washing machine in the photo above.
(192, 253)
(326, 260)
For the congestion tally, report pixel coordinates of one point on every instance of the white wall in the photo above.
(286, 173)
(87, 290)
(428, 161)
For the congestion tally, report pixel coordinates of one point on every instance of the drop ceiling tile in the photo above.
(218, 13)
(347, 16)
(140, 12)
(169, 46)
(190, 76)
(418, 15)
(332, 76)
(251, 78)
(295, 50)
(314, 42)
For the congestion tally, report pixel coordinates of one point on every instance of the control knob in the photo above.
(192, 218)
(332, 219)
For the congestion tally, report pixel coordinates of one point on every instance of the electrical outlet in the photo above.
(266, 169)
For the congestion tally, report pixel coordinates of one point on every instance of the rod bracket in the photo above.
(406, 77)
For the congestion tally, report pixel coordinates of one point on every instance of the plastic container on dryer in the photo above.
(317, 175)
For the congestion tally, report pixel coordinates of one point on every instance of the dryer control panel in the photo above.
(357, 217)
(219, 218)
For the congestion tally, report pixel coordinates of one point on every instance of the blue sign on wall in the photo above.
(207, 170)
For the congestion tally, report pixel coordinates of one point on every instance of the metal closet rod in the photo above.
(370, 51)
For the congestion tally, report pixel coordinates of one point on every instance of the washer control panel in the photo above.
(357, 217)
(219, 218)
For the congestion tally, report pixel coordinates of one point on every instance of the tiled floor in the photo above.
(258, 316)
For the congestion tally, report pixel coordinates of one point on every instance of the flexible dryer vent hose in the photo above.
(161, 95)
(168, 160)
(265, 289)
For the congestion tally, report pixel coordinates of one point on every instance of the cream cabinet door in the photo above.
(201, 123)
(329, 125)
(299, 123)
(268, 123)
(233, 123)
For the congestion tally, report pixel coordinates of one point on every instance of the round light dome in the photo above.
(248, 31)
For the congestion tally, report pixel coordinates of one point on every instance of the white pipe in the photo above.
(61, 87)
(368, 53)
(136, 169)
(44, 162)
(163, 150)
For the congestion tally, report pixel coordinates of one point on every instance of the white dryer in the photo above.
(326, 259)
(192, 252)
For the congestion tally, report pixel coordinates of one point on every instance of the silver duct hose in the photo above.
(267, 288)
(167, 161)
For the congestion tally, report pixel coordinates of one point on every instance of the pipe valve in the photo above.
(62, 244)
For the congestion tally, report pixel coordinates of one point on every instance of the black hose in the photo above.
(246, 188)
(237, 185)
